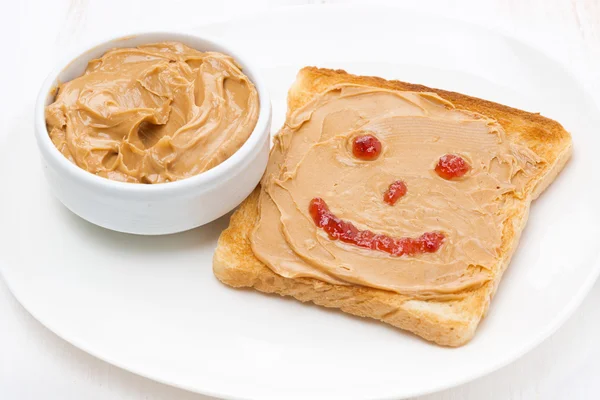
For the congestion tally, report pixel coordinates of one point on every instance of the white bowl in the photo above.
(160, 208)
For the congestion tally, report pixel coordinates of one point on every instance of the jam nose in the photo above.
(396, 190)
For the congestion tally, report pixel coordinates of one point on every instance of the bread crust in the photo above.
(447, 323)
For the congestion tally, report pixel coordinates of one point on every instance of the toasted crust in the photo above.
(448, 323)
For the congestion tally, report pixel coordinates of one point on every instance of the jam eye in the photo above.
(396, 190)
(366, 147)
(451, 166)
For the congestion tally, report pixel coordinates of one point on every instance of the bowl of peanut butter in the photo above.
(153, 133)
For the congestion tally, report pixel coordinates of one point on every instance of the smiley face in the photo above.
(323, 208)
(368, 148)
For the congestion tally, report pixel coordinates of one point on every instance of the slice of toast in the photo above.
(449, 323)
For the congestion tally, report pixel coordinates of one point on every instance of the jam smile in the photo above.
(338, 229)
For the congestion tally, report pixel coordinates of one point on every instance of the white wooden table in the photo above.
(36, 364)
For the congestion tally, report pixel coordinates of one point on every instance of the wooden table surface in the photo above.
(36, 364)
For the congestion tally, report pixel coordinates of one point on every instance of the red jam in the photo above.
(366, 147)
(451, 166)
(338, 229)
(396, 190)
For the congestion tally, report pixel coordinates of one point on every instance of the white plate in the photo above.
(152, 306)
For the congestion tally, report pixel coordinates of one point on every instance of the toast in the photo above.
(445, 322)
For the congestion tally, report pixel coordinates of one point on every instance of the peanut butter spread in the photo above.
(312, 158)
(155, 113)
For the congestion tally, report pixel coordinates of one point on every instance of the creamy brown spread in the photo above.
(155, 113)
(312, 158)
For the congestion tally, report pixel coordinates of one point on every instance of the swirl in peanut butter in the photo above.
(313, 158)
(155, 113)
